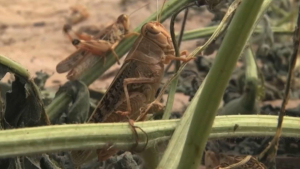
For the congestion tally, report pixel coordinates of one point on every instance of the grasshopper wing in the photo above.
(71, 61)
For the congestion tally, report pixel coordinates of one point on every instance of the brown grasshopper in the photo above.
(135, 84)
(87, 47)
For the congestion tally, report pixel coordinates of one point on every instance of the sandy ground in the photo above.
(31, 31)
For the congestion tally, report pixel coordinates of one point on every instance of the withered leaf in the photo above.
(3, 71)
(79, 110)
(23, 107)
(40, 79)
(5, 163)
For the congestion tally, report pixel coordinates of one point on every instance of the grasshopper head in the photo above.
(157, 33)
(124, 22)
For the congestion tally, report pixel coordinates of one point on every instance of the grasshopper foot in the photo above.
(186, 54)
(133, 129)
(183, 59)
(189, 59)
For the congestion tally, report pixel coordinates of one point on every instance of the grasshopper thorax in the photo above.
(157, 33)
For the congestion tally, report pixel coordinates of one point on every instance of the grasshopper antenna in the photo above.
(157, 11)
(139, 8)
(162, 7)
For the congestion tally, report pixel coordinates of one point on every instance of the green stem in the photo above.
(25, 141)
(57, 105)
(287, 18)
(233, 44)
(175, 146)
(208, 31)
(173, 85)
(15, 67)
(278, 10)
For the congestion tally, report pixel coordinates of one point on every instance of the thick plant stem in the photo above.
(175, 146)
(232, 46)
(26, 141)
(15, 67)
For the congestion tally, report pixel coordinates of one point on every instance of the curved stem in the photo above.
(173, 85)
(26, 141)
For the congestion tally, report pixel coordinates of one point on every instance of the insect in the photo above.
(89, 47)
(135, 85)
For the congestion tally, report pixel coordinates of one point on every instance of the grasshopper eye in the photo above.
(124, 21)
(75, 42)
(122, 18)
(152, 29)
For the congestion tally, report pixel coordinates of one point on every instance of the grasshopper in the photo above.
(87, 47)
(135, 84)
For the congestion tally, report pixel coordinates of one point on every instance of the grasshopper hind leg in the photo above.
(115, 55)
(152, 107)
(97, 47)
(140, 80)
(133, 129)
